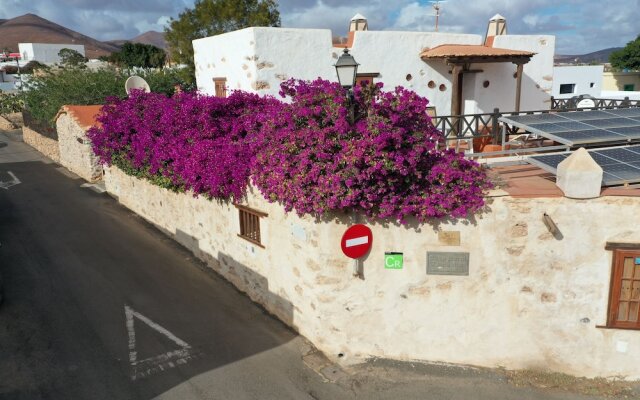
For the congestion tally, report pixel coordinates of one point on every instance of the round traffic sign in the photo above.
(356, 241)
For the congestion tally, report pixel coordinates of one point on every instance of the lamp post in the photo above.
(347, 69)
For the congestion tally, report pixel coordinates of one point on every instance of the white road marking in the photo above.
(13, 182)
(357, 241)
(168, 360)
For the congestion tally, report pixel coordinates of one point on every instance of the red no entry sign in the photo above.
(356, 241)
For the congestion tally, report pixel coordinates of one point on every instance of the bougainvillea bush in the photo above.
(184, 142)
(386, 165)
(304, 153)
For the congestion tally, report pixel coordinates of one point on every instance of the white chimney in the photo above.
(497, 26)
(358, 23)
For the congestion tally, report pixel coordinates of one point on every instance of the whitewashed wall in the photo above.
(530, 300)
(258, 59)
(45, 52)
(580, 75)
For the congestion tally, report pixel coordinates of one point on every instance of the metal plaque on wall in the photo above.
(447, 263)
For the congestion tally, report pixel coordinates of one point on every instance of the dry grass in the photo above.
(610, 388)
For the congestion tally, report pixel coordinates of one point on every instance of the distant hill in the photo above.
(600, 56)
(151, 37)
(30, 28)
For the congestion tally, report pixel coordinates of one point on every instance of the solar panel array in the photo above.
(582, 127)
(619, 164)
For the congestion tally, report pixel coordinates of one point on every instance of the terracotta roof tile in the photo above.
(85, 116)
(525, 181)
(466, 50)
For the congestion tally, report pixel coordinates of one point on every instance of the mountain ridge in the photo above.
(31, 28)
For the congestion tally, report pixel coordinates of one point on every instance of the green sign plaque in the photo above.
(393, 260)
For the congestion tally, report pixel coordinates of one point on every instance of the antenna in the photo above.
(436, 7)
(136, 83)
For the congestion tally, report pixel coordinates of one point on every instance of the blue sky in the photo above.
(580, 26)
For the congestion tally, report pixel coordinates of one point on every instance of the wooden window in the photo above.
(366, 78)
(220, 86)
(250, 224)
(624, 298)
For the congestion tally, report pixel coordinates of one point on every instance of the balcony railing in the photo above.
(487, 125)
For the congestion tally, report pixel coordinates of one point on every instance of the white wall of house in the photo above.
(259, 59)
(580, 79)
(45, 52)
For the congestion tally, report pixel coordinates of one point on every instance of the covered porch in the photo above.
(460, 59)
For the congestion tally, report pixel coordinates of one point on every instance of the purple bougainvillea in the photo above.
(303, 153)
(387, 165)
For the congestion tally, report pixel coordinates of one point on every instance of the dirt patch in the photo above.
(609, 388)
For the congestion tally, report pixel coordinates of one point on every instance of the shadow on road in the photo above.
(72, 259)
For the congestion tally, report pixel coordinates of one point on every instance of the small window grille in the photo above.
(250, 224)
(220, 86)
(567, 88)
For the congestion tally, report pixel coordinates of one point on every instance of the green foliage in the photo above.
(139, 55)
(10, 103)
(165, 80)
(71, 58)
(213, 17)
(46, 93)
(627, 57)
(26, 69)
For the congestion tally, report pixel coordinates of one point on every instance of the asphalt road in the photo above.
(100, 305)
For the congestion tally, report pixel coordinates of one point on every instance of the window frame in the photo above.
(362, 77)
(572, 85)
(615, 285)
(629, 87)
(249, 218)
(216, 83)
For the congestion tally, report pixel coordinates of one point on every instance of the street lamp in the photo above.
(347, 69)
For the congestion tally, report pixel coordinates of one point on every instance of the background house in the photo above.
(575, 80)
(259, 59)
(45, 52)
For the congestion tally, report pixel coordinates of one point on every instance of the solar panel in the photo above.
(582, 127)
(620, 165)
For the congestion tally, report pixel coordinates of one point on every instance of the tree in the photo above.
(139, 55)
(71, 58)
(627, 57)
(213, 17)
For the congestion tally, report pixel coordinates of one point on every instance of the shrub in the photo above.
(45, 93)
(304, 154)
(28, 68)
(387, 165)
(10, 103)
(186, 142)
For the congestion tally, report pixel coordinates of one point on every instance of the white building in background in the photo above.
(576, 80)
(46, 53)
(259, 59)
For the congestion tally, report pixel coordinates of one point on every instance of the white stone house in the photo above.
(46, 52)
(259, 59)
(576, 80)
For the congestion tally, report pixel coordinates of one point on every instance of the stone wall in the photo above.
(531, 299)
(45, 145)
(75, 149)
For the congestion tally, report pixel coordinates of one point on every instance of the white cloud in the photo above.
(580, 26)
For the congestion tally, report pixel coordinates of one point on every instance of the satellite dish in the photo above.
(586, 103)
(136, 83)
(583, 101)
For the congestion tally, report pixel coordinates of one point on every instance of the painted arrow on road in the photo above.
(13, 182)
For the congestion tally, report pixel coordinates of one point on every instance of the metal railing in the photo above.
(487, 125)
